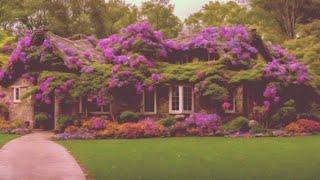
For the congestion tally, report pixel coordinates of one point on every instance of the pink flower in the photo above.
(226, 105)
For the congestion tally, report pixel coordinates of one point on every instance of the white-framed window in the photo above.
(232, 101)
(149, 102)
(181, 99)
(93, 108)
(16, 94)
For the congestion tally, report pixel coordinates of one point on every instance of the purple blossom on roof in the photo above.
(69, 51)
(155, 77)
(86, 69)
(121, 59)
(38, 96)
(108, 53)
(46, 44)
(86, 54)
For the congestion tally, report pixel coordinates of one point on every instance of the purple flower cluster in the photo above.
(97, 123)
(271, 96)
(230, 42)
(206, 122)
(133, 49)
(285, 67)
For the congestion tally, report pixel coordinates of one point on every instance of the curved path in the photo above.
(34, 157)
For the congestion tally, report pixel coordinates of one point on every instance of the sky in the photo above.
(183, 8)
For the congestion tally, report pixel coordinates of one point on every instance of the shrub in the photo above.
(167, 122)
(179, 129)
(4, 126)
(206, 123)
(294, 128)
(303, 126)
(15, 124)
(64, 122)
(40, 117)
(237, 124)
(111, 130)
(130, 130)
(257, 129)
(310, 126)
(286, 113)
(128, 116)
(97, 123)
(71, 129)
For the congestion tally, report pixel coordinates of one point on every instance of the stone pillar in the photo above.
(56, 111)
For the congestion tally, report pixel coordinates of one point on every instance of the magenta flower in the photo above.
(226, 105)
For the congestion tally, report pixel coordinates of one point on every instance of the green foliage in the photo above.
(167, 122)
(287, 14)
(160, 15)
(252, 74)
(41, 117)
(65, 121)
(286, 113)
(68, 17)
(16, 123)
(5, 39)
(239, 123)
(257, 129)
(128, 116)
(89, 84)
(313, 113)
(216, 92)
(307, 50)
(230, 13)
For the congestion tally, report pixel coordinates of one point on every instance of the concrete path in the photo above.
(35, 157)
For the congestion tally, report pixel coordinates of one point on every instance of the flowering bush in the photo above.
(294, 128)
(206, 123)
(309, 125)
(303, 126)
(13, 127)
(97, 123)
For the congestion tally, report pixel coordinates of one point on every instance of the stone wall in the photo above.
(24, 110)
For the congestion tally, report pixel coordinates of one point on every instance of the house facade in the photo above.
(176, 99)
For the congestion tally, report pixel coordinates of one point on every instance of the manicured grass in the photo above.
(4, 138)
(200, 158)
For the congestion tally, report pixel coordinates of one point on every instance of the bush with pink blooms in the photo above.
(303, 126)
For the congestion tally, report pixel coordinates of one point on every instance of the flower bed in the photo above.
(303, 126)
(13, 127)
(196, 124)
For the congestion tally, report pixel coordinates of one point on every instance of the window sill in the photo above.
(183, 112)
(99, 113)
(148, 113)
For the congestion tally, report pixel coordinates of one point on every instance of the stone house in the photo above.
(177, 99)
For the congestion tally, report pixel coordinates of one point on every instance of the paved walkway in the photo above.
(35, 157)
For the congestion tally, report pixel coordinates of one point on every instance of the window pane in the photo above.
(149, 101)
(106, 107)
(175, 98)
(187, 98)
(17, 93)
(93, 107)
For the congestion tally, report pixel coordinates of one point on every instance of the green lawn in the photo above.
(4, 138)
(200, 158)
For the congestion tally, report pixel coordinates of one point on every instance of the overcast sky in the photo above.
(183, 8)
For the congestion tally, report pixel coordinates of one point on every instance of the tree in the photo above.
(288, 13)
(230, 13)
(67, 17)
(160, 14)
(307, 46)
